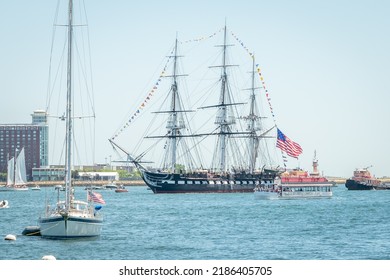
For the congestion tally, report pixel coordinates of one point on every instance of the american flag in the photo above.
(290, 147)
(96, 197)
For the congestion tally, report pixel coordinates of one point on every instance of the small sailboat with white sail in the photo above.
(71, 218)
(16, 173)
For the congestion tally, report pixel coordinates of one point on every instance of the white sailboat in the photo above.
(16, 173)
(71, 218)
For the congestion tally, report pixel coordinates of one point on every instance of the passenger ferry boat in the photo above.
(295, 191)
(298, 183)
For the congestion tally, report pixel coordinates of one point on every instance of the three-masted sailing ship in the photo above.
(233, 168)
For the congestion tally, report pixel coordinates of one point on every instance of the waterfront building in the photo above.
(57, 173)
(48, 174)
(98, 176)
(34, 138)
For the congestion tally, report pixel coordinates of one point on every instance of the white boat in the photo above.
(121, 188)
(294, 191)
(298, 184)
(36, 188)
(4, 204)
(76, 219)
(59, 187)
(70, 218)
(112, 186)
(95, 188)
(16, 173)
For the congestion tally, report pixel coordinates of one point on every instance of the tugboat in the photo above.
(363, 180)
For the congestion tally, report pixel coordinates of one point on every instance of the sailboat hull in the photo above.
(60, 227)
(180, 183)
(12, 188)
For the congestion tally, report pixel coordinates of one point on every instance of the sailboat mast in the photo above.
(68, 170)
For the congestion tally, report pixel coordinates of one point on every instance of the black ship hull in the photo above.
(196, 183)
(358, 186)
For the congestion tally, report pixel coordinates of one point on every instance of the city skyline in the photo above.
(325, 64)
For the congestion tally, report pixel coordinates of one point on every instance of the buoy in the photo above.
(49, 258)
(32, 231)
(10, 237)
(4, 204)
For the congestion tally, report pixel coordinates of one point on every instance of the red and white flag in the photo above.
(96, 197)
(290, 147)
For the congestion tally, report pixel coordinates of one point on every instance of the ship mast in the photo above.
(68, 170)
(175, 122)
(252, 127)
(253, 124)
(172, 121)
(224, 120)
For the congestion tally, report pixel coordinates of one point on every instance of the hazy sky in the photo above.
(326, 65)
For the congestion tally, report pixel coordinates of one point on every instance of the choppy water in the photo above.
(140, 225)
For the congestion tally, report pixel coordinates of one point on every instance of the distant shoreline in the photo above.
(337, 181)
(342, 180)
(87, 183)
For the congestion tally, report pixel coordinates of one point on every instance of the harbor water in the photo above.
(140, 225)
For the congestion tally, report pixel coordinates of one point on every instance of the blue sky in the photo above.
(325, 63)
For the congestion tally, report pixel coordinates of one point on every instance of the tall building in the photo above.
(39, 118)
(34, 138)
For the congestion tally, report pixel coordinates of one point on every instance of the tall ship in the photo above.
(363, 180)
(236, 151)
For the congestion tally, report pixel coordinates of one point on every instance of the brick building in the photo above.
(34, 138)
